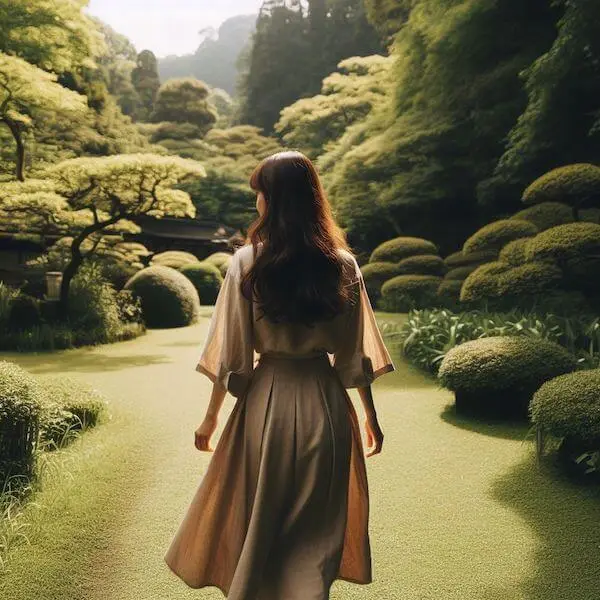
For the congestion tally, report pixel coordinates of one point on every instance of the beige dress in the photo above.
(282, 510)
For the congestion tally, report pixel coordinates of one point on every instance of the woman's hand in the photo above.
(374, 435)
(204, 433)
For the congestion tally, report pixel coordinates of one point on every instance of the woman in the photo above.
(282, 510)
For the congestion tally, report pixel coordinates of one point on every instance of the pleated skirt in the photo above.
(283, 507)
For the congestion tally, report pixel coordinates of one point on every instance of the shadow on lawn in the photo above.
(508, 430)
(566, 518)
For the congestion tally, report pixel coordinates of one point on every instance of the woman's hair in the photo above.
(299, 277)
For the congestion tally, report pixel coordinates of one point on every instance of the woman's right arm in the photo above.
(374, 433)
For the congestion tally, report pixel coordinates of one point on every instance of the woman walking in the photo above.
(282, 510)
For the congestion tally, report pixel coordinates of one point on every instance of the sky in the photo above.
(168, 26)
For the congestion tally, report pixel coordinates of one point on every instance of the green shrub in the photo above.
(129, 307)
(168, 297)
(406, 292)
(449, 292)
(174, 259)
(21, 410)
(503, 363)
(7, 296)
(565, 242)
(514, 253)
(396, 249)
(207, 280)
(24, 313)
(497, 234)
(425, 264)
(573, 185)
(483, 282)
(117, 273)
(376, 274)
(546, 215)
(460, 273)
(221, 260)
(467, 259)
(569, 405)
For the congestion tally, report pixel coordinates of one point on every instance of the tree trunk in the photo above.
(69, 273)
(20, 158)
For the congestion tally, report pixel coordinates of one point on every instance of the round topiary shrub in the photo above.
(483, 282)
(207, 280)
(497, 234)
(514, 253)
(467, 259)
(397, 249)
(21, 410)
(497, 376)
(174, 259)
(169, 299)
(425, 264)
(529, 279)
(221, 260)
(565, 242)
(460, 273)
(546, 215)
(568, 407)
(407, 292)
(375, 274)
(449, 292)
(576, 185)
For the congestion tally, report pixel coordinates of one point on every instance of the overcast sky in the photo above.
(168, 26)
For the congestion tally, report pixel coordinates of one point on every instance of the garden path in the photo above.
(459, 509)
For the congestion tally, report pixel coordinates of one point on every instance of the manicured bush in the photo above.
(497, 234)
(406, 292)
(21, 410)
(174, 259)
(576, 185)
(425, 264)
(169, 299)
(375, 274)
(583, 274)
(465, 259)
(396, 249)
(499, 375)
(546, 215)
(483, 282)
(24, 313)
(514, 253)
(221, 260)
(207, 280)
(565, 242)
(448, 292)
(460, 273)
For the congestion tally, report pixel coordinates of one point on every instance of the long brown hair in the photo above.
(299, 277)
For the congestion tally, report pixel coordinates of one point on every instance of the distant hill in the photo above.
(215, 60)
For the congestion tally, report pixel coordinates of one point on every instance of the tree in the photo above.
(185, 100)
(146, 82)
(28, 97)
(93, 196)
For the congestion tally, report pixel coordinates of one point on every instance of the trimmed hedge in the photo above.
(221, 260)
(207, 280)
(499, 375)
(467, 259)
(406, 292)
(565, 242)
(571, 185)
(449, 291)
(169, 299)
(375, 274)
(482, 283)
(569, 405)
(546, 215)
(425, 264)
(514, 253)
(497, 234)
(174, 259)
(460, 273)
(399, 248)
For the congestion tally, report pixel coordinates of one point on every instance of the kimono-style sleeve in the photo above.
(362, 354)
(228, 352)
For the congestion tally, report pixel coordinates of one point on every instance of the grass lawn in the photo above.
(459, 509)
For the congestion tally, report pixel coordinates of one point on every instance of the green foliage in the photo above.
(174, 259)
(7, 297)
(495, 235)
(569, 405)
(221, 260)
(21, 409)
(375, 274)
(448, 292)
(425, 264)
(574, 185)
(168, 297)
(207, 280)
(388, 16)
(515, 252)
(546, 215)
(406, 292)
(146, 83)
(482, 282)
(397, 249)
(24, 313)
(460, 273)
(464, 259)
(503, 363)
(564, 242)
